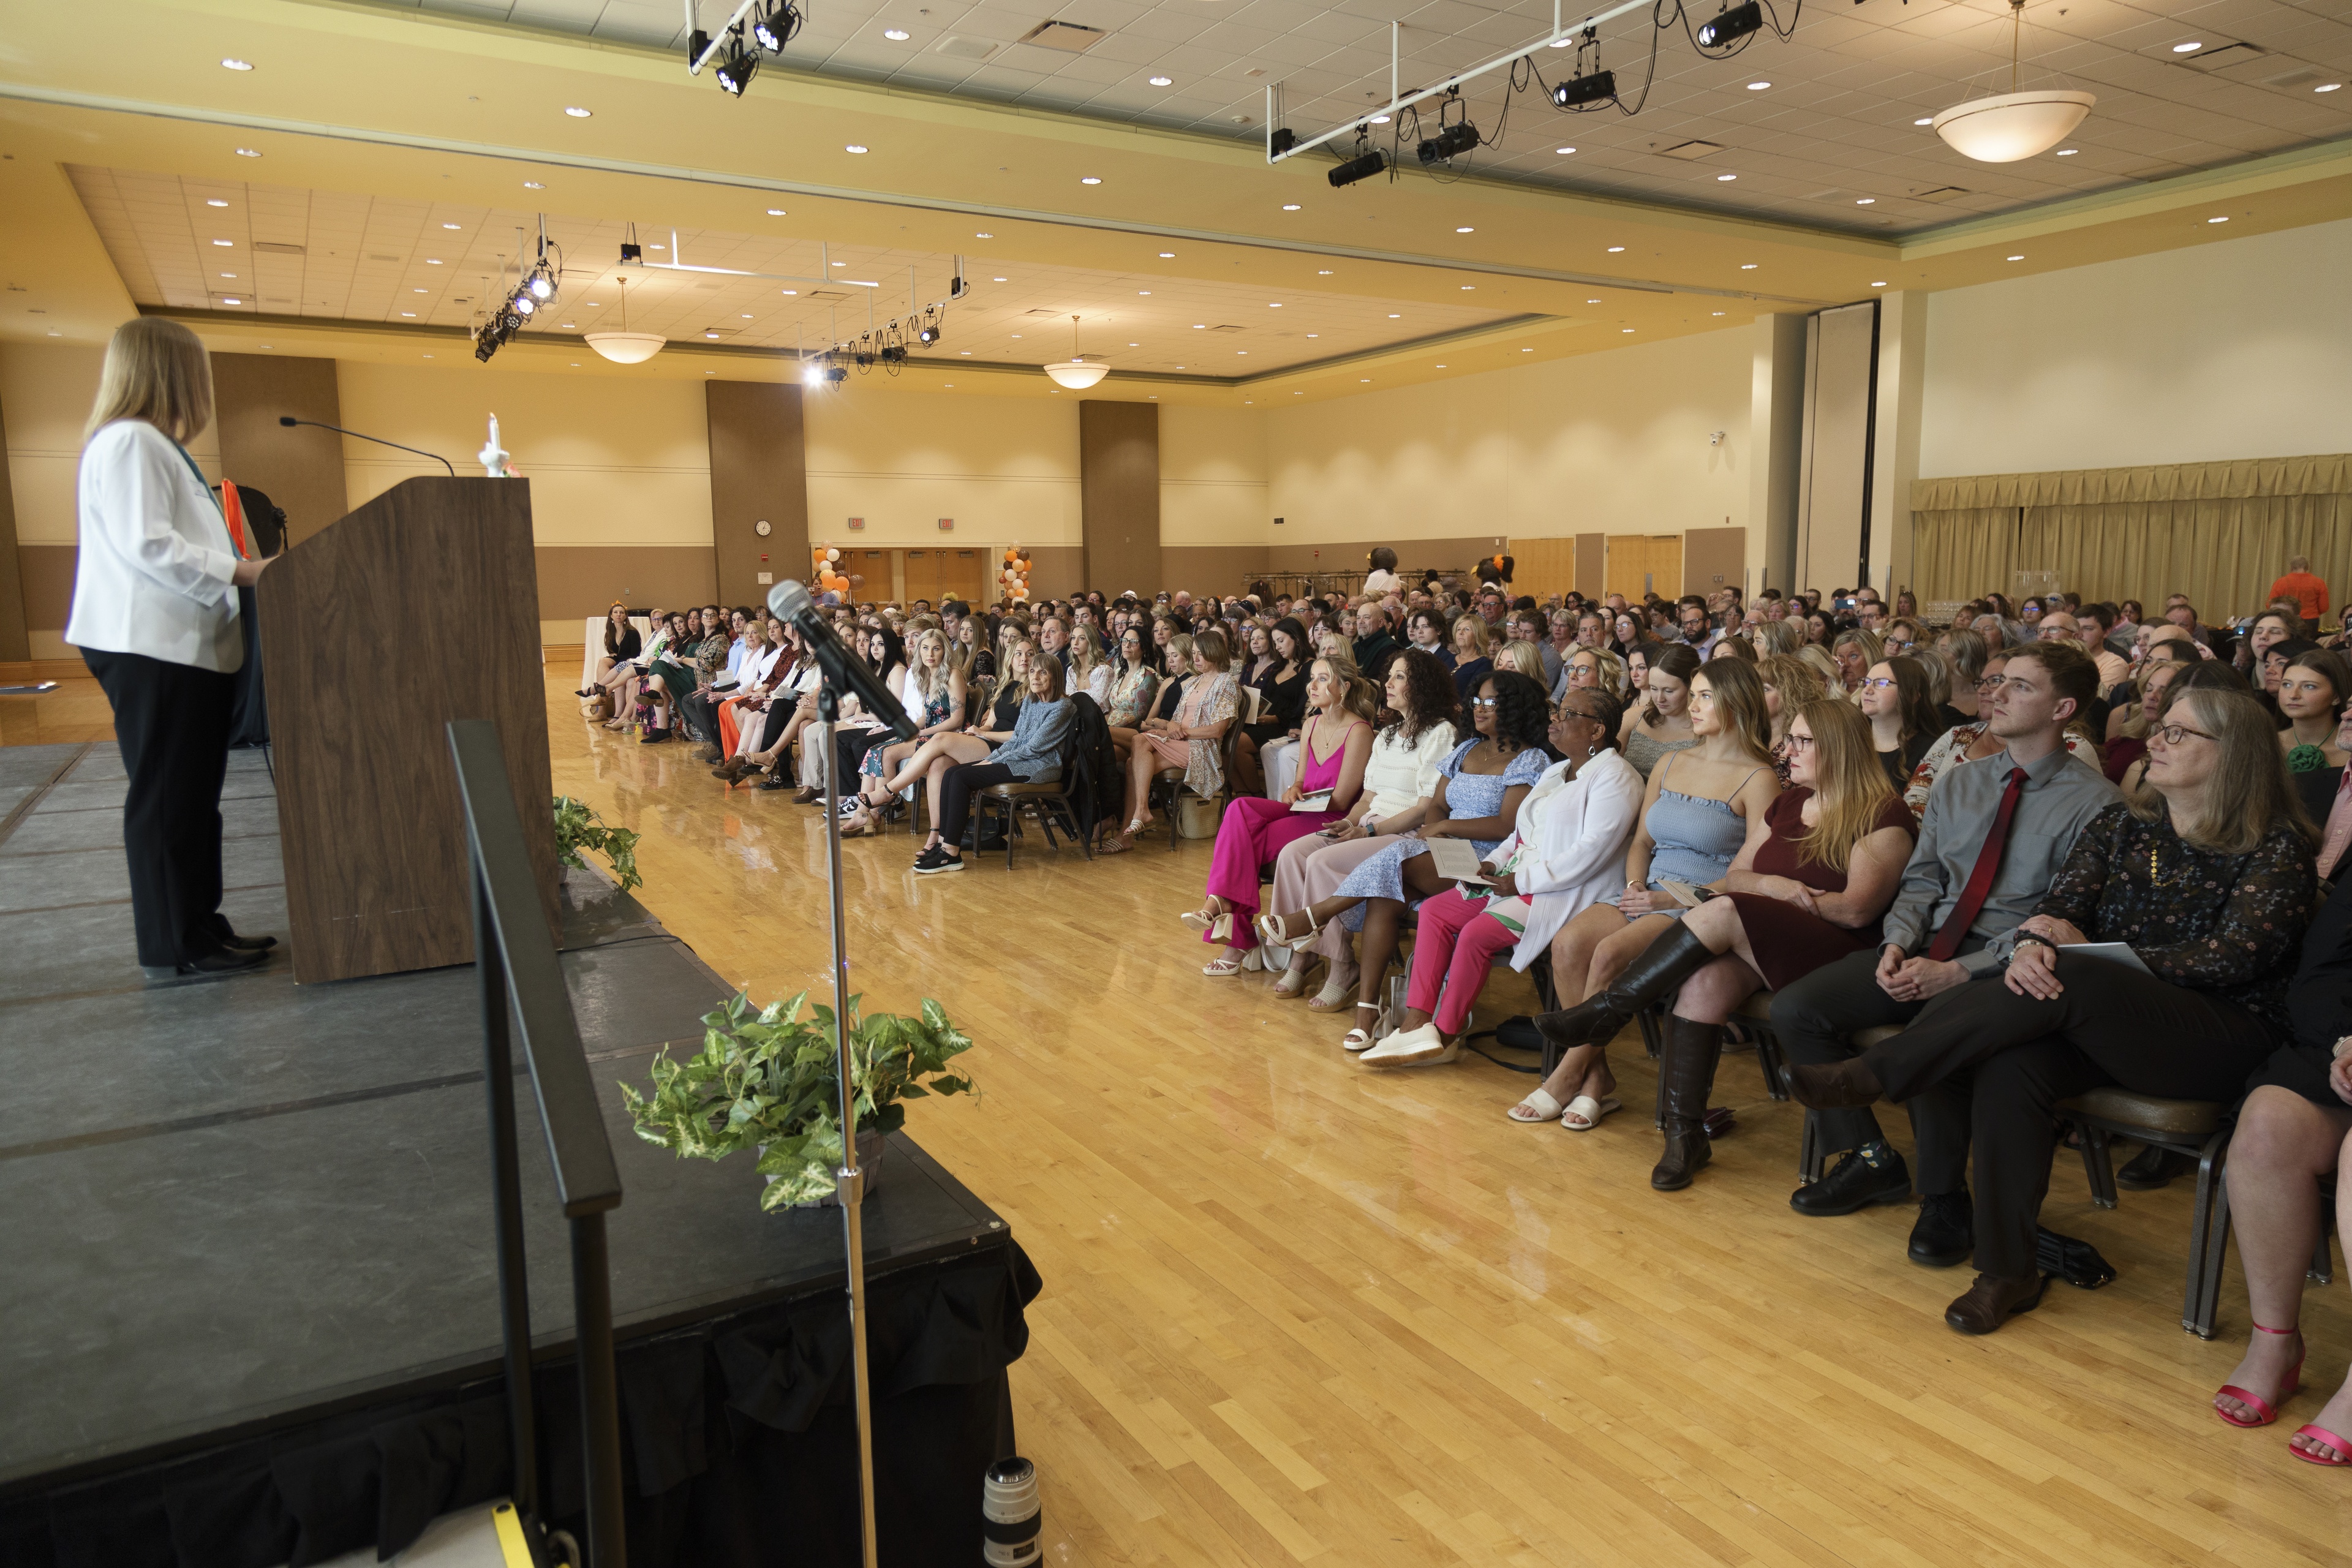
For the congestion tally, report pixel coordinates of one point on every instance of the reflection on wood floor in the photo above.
(1295, 1309)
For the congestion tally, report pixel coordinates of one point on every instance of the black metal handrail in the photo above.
(522, 983)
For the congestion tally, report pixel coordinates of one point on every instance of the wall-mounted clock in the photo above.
(760, 528)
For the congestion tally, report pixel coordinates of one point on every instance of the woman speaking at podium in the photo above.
(155, 616)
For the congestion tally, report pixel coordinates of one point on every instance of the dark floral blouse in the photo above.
(2231, 924)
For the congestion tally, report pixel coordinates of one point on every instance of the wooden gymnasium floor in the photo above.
(1295, 1310)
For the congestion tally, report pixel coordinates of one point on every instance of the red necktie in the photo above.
(1955, 929)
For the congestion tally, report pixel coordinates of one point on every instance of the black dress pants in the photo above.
(2111, 1025)
(958, 785)
(1813, 1018)
(173, 723)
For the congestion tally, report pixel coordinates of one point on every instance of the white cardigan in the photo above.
(153, 574)
(1575, 831)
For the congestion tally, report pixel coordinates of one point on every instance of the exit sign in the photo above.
(856, 525)
(947, 525)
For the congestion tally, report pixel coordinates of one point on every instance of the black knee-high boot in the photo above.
(1653, 975)
(1687, 1074)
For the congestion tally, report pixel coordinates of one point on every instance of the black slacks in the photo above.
(1813, 1016)
(173, 723)
(957, 786)
(2111, 1025)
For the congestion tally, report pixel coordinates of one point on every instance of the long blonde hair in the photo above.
(1607, 667)
(1523, 656)
(2251, 793)
(929, 684)
(1798, 681)
(156, 370)
(1356, 694)
(1851, 787)
(1738, 694)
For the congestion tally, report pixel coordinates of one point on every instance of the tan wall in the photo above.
(1213, 478)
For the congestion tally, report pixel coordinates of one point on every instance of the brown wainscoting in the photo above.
(1058, 571)
(1454, 554)
(1713, 558)
(581, 580)
(758, 474)
(300, 469)
(1118, 490)
(46, 577)
(1219, 569)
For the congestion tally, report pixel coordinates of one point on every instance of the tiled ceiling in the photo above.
(191, 243)
(1830, 140)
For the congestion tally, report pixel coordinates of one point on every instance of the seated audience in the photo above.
(1855, 652)
(1563, 852)
(2312, 692)
(1662, 724)
(1399, 778)
(1032, 756)
(1473, 645)
(1278, 672)
(1191, 741)
(1994, 833)
(622, 643)
(1788, 684)
(1333, 746)
(1702, 810)
(934, 694)
(1903, 720)
(2207, 876)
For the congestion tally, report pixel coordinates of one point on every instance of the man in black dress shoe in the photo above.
(1995, 833)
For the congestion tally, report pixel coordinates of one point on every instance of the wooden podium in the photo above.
(420, 608)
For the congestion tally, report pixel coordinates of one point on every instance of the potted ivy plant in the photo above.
(767, 1079)
(578, 828)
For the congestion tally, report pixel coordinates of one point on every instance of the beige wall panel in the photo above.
(1212, 477)
(1200, 569)
(609, 464)
(1006, 469)
(756, 476)
(47, 390)
(1119, 452)
(2233, 349)
(1713, 558)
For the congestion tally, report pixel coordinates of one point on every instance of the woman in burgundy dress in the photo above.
(1813, 891)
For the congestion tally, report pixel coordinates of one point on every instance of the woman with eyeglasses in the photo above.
(1902, 721)
(2206, 874)
(1788, 684)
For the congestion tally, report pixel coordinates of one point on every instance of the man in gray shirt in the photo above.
(1960, 890)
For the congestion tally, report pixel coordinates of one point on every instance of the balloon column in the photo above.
(1014, 573)
(825, 568)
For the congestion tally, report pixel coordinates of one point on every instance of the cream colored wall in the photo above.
(1616, 442)
(1006, 469)
(608, 464)
(1212, 477)
(2238, 348)
(45, 393)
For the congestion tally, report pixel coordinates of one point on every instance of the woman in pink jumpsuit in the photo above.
(1334, 745)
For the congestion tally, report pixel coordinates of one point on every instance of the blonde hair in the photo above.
(1798, 682)
(1607, 667)
(1851, 787)
(1522, 655)
(1085, 653)
(1776, 639)
(2251, 793)
(925, 681)
(156, 370)
(1482, 637)
(1818, 660)
(1356, 694)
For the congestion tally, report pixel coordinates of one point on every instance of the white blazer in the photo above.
(1575, 831)
(156, 559)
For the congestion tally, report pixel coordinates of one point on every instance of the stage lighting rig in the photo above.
(735, 72)
(1362, 167)
(1730, 25)
(926, 333)
(777, 26)
(1451, 142)
(1598, 87)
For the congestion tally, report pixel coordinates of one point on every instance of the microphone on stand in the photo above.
(289, 422)
(790, 601)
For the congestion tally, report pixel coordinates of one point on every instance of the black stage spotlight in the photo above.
(1361, 167)
(1451, 142)
(736, 71)
(1735, 23)
(777, 26)
(1598, 87)
(927, 334)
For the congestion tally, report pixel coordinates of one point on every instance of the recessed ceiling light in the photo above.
(1625, 329)
(775, 211)
(1441, 367)
(223, 242)
(747, 315)
(1719, 312)
(2017, 258)
(1167, 256)
(965, 352)
(236, 65)
(591, 304)
(1865, 201)
(1930, 120)
(2068, 151)
(984, 235)
(576, 113)
(228, 274)
(411, 314)
(991, 281)
(1161, 81)
(1467, 286)
(1878, 283)
(1726, 176)
(1143, 293)
(1323, 272)
(432, 261)
(1396, 316)
(532, 186)
(2217, 220)
(1313, 334)
(1466, 229)
(567, 326)
(2190, 48)
(1200, 326)
(231, 299)
(1748, 266)
(792, 290)
(1757, 86)
(1241, 350)
(1364, 379)
(215, 202)
(1290, 206)
(896, 35)
(2328, 86)
(1090, 179)
(428, 356)
(1526, 351)
(1616, 248)
(453, 226)
(428, 290)
(1135, 346)
(855, 147)
(247, 152)
(1563, 152)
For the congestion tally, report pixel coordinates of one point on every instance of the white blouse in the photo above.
(153, 575)
(1397, 777)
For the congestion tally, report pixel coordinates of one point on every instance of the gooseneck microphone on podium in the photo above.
(289, 422)
(790, 601)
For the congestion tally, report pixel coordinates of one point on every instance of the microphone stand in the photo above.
(849, 1182)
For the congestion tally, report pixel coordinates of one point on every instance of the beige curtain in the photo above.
(2220, 532)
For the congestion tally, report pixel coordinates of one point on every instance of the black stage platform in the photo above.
(250, 1300)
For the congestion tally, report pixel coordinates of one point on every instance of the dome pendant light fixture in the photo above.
(2013, 125)
(626, 347)
(1076, 373)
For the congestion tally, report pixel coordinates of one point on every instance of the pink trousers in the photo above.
(1456, 943)
(1255, 830)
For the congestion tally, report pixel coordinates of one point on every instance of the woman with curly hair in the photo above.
(1477, 796)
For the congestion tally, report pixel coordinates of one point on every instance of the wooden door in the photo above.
(878, 568)
(1640, 563)
(1543, 566)
(922, 578)
(961, 573)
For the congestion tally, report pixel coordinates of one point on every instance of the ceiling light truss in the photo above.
(537, 285)
(924, 326)
(1719, 37)
(773, 24)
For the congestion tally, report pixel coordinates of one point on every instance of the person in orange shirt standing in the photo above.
(2305, 589)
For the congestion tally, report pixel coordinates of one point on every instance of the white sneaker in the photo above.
(1423, 1047)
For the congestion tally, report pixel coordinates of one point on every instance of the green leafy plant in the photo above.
(578, 828)
(768, 1077)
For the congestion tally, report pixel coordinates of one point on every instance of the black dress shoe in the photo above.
(2153, 1167)
(249, 944)
(1865, 1176)
(220, 960)
(1834, 1086)
(1945, 1233)
(1992, 1301)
